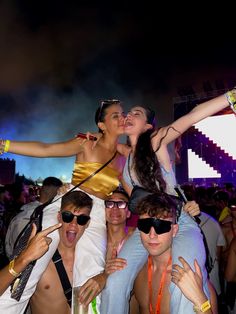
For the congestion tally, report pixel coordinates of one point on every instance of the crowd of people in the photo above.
(158, 264)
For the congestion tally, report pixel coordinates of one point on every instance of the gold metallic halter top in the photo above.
(105, 181)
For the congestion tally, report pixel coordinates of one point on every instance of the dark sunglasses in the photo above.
(160, 226)
(118, 204)
(68, 217)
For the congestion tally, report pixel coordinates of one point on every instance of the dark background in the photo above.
(58, 59)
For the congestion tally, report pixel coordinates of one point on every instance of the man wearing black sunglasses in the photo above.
(158, 226)
(50, 295)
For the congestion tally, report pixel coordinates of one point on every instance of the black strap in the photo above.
(209, 261)
(65, 282)
(36, 213)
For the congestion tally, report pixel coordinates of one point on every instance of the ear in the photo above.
(128, 214)
(101, 126)
(87, 224)
(59, 217)
(148, 126)
(175, 229)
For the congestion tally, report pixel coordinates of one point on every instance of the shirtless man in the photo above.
(74, 216)
(117, 213)
(158, 226)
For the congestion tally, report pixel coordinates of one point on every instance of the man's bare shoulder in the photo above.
(141, 280)
(141, 290)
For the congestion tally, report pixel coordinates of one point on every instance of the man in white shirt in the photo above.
(48, 191)
(215, 241)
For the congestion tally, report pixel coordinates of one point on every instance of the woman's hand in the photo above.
(192, 208)
(98, 136)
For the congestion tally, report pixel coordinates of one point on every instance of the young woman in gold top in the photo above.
(109, 118)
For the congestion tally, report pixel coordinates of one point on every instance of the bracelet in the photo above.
(231, 97)
(11, 269)
(4, 146)
(7, 145)
(203, 308)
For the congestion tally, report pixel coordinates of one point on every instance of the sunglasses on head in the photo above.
(160, 226)
(118, 204)
(106, 102)
(69, 216)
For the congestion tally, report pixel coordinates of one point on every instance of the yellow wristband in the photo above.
(203, 308)
(7, 145)
(231, 97)
(11, 269)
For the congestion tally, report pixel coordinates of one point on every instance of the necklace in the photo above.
(162, 282)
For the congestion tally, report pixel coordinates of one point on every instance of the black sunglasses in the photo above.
(118, 204)
(68, 217)
(160, 226)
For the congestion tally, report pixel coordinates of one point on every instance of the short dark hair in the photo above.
(77, 198)
(221, 196)
(52, 181)
(120, 191)
(158, 205)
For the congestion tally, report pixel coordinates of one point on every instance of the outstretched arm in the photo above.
(40, 149)
(37, 246)
(198, 113)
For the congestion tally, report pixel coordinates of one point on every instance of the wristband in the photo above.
(11, 269)
(203, 308)
(7, 145)
(4, 146)
(231, 97)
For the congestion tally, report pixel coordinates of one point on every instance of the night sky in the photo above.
(58, 59)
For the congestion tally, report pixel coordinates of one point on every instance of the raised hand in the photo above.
(189, 281)
(38, 243)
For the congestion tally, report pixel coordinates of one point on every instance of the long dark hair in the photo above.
(101, 110)
(146, 164)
